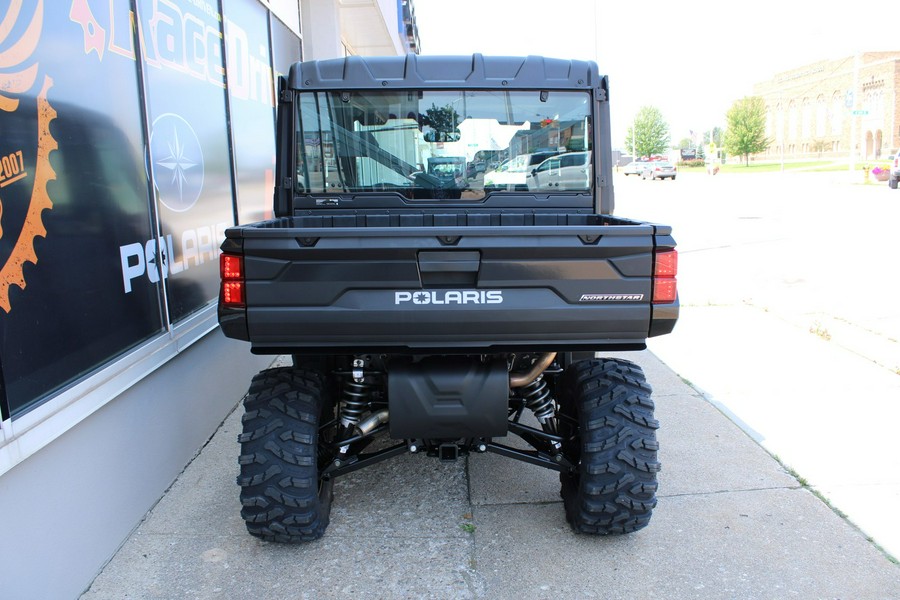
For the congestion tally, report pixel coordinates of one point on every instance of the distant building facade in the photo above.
(834, 109)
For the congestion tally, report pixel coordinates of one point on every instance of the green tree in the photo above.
(649, 133)
(444, 121)
(746, 132)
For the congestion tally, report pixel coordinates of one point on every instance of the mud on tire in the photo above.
(282, 495)
(614, 488)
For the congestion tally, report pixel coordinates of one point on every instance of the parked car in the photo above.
(565, 172)
(511, 174)
(449, 169)
(474, 168)
(658, 169)
(635, 167)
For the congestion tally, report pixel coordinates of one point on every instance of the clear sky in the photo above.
(691, 60)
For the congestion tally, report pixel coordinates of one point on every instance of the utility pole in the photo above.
(633, 136)
(853, 118)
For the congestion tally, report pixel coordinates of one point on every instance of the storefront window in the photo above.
(285, 47)
(73, 194)
(251, 98)
(188, 148)
(93, 261)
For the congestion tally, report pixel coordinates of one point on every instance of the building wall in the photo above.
(338, 28)
(68, 508)
(835, 109)
(132, 133)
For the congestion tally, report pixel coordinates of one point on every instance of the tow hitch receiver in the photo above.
(448, 452)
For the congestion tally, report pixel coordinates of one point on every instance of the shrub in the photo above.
(692, 164)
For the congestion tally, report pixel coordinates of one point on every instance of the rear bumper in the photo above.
(461, 289)
(357, 324)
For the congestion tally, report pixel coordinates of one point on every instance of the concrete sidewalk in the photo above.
(730, 523)
(828, 413)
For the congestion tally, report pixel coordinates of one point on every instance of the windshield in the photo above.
(442, 144)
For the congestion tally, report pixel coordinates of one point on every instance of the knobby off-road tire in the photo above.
(283, 497)
(614, 488)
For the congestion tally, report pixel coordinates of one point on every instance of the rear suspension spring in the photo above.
(536, 395)
(355, 400)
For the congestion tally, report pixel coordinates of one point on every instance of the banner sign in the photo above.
(113, 204)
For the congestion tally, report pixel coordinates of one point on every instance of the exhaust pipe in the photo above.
(373, 421)
(520, 379)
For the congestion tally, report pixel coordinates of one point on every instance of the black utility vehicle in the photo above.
(435, 315)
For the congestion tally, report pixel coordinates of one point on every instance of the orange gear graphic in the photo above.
(12, 272)
(23, 251)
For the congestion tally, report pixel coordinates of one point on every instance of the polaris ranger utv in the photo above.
(440, 317)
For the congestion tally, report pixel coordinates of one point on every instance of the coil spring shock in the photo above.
(354, 401)
(537, 398)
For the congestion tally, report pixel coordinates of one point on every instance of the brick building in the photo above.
(834, 109)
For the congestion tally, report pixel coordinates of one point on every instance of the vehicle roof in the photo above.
(468, 71)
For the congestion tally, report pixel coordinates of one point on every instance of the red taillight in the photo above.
(233, 293)
(665, 268)
(231, 267)
(231, 270)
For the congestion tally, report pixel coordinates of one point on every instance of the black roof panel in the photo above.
(417, 72)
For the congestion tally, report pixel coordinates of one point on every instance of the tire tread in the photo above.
(614, 489)
(280, 495)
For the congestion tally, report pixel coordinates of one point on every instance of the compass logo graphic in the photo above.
(177, 162)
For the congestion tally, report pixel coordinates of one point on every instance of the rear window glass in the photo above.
(453, 144)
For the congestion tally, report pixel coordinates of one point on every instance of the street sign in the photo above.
(859, 113)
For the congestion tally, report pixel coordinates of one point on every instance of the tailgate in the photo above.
(454, 288)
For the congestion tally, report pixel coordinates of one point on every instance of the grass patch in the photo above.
(775, 167)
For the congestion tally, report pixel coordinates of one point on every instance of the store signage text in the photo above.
(176, 39)
(155, 258)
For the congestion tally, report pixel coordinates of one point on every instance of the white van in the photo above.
(512, 174)
(569, 172)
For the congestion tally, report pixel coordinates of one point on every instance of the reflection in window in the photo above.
(442, 144)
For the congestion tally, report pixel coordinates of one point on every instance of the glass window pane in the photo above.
(78, 201)
(252, 104)
(444, 144)
(189, 147)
